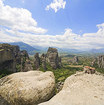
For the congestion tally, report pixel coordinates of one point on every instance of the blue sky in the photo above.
(75, 20)
(79, 15)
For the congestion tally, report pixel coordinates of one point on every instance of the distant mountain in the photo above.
(97, 50)
(23, 46)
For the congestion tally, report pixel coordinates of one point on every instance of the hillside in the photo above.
(23, 46)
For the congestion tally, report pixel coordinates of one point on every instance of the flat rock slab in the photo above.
(27, 88)
(80, 89)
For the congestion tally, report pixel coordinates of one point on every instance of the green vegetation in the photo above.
(4, 73)
(62, 73)
(68, 69)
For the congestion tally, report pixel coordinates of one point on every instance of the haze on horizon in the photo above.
(74, 24)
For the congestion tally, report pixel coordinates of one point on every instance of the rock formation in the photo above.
(43, 61)
(36, 61)
(52, 58)
(8, 55)
(75, 60)
(11, 56)
(100, 61)
(80, 89)
(27, 66)
(94, 62)
(27, 88)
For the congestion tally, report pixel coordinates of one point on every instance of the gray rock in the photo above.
(80, 89)
(27, 66)
(43, 61)
(75, 60)
(3, 101)
(8, 55)
(100, 61)
(53, 58)
(27, 88)
(36, 61)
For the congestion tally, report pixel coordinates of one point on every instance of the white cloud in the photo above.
(23, 1)
(67, 40)
(56, 5)
(18, 19)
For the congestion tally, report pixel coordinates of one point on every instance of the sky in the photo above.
(72, 24)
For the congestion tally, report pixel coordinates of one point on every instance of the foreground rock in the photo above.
(27, 88)
(80, 89)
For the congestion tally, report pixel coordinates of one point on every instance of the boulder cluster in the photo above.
(11, 56)
(51, 58)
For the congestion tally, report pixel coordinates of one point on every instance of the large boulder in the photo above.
(80, 89)
(53, 58)
(27, 88)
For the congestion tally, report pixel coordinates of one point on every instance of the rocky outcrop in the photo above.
(80, 89)
(75, 60)
(43, 61)
(27, 66)
(94, 62)
(36, 61)
(53, 58)
(27, 88)
(8, 54)
(100, 61)
(11, 56)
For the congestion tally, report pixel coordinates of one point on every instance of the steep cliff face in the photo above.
(53, 58)
(100, 61)
(8, 52)
(10, 56)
